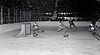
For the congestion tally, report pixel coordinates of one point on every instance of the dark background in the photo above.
(86, 9)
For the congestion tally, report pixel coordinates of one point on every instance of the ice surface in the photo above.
(51, 42)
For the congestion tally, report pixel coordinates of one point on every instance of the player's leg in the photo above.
(96, 37)
(70, 26)
(65, 33)
(74, 25)
(35, 34)
(95, 34)
(59, 29)
(92, 32)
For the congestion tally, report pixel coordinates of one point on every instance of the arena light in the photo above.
(62, 13)
(66, 13)
(59, 13)
(69, 13)
(60, 17)
(47, 13)
(50, 13)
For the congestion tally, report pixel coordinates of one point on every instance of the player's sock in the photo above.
(66, 35)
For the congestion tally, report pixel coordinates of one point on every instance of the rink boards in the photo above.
(10, 27)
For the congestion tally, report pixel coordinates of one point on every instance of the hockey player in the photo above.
(94, 29)
(71, 23)
(62, 27)
(36, 29)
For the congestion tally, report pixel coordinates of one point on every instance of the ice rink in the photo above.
(48, 17)
(51, 42)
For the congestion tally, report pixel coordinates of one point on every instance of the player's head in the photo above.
(93, 22)
(61, 22)
(35, 23)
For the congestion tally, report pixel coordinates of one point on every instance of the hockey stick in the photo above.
(98, 22)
